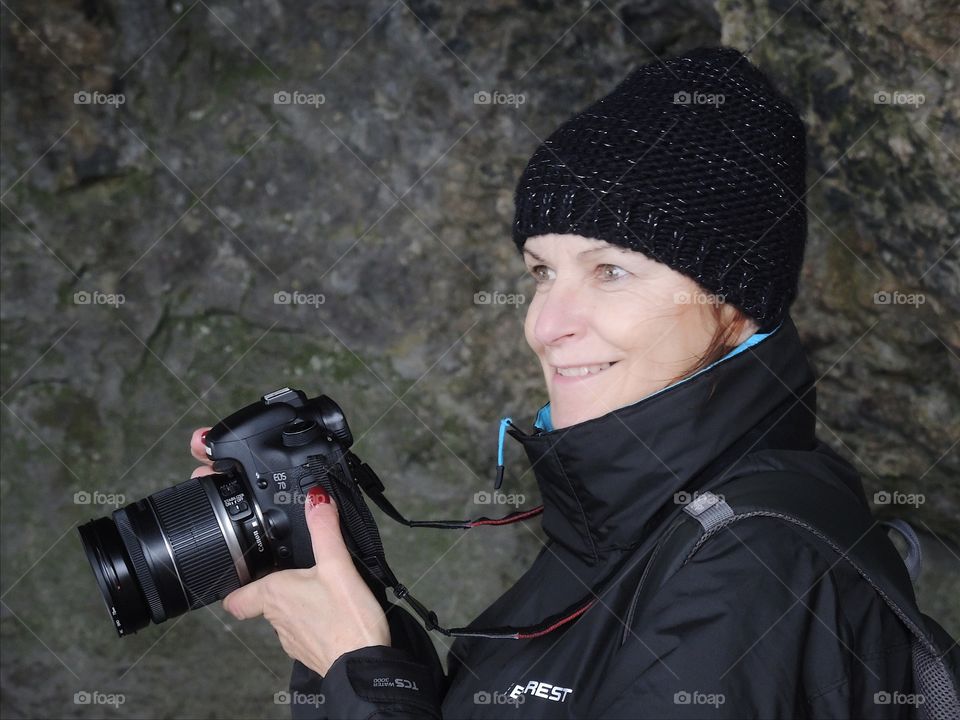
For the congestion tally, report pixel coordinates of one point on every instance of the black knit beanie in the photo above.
(695, 161)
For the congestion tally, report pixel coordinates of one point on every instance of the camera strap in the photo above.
(348, 476)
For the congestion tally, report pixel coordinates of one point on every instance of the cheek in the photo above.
(626, 328)
(639, 323)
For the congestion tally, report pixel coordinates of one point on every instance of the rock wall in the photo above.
(202, 202)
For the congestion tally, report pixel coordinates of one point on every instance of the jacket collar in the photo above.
(603, 479)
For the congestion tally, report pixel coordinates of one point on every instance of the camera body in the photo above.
(193, 543)
(267, 455)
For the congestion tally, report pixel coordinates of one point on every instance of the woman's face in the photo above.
(597, 304)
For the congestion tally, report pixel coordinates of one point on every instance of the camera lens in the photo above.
(111, 567)
(173, 551)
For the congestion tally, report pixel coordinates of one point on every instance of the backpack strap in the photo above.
(914, 558)
(833, 514)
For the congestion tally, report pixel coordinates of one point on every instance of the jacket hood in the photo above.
(602, 480)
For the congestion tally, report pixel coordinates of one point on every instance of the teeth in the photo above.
(581, 371)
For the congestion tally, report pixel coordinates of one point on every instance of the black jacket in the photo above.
(764, 622)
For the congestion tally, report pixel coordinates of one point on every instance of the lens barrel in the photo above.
(163, 555)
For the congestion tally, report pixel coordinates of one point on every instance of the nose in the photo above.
(563, 314)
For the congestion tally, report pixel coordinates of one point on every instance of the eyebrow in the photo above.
(579, 254)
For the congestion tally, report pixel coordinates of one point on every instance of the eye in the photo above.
(607, 273)
(536, 271)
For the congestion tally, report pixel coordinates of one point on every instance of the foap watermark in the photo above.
(495, 97)
(285, 697)
(96, 497)
(94, 97)
(96, 697)
(483, 697)
(296, 97)
(499, 498)
(898, 698)
(295, 297)
(84, 297)
(289, 498)
(898, 97)
(698, 98)
(697, 298)
(895, 497)
(895, 297)
(695, 697)
(485, 297)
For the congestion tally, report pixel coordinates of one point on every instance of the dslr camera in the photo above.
(191, 544)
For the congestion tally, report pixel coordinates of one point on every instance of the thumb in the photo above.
(246, 601)
(323, 522)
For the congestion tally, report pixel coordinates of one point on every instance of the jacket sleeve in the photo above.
(751, 627)
(405, 680)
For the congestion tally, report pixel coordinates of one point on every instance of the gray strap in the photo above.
(914, 558)
(708, 510)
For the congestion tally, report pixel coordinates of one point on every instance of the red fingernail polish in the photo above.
(203, 436)
(317, 496)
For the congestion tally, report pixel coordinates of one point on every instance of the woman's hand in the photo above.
(319, 613)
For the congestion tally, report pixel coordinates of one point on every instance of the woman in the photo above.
(665, 230)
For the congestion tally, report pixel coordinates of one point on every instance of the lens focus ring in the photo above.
(199, 549)
(141, 569)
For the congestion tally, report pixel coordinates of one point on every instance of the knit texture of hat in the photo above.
(695, 161)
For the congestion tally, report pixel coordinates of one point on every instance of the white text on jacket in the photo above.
(541, 690)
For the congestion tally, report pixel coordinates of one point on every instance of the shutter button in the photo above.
(300, 432)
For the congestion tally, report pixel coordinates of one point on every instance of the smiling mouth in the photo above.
(584, 370)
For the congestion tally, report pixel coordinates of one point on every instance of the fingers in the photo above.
(247, 601)
(201, 471)
(323, 521)
(197, 448)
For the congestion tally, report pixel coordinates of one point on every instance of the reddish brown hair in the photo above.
(730, 322)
